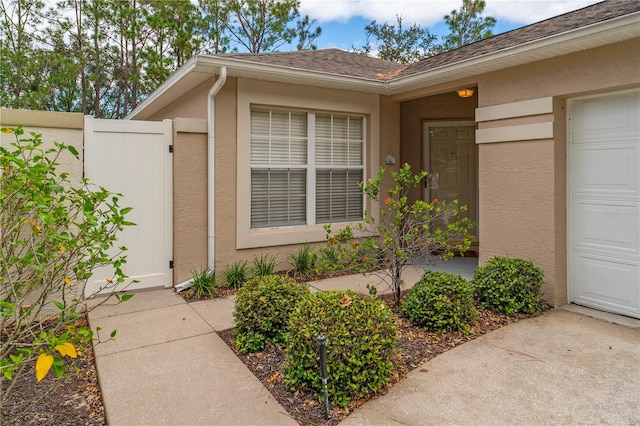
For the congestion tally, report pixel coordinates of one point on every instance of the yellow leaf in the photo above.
(62, 248)
(67, 281)
(43, 365)
(7, 131)
(67, 349)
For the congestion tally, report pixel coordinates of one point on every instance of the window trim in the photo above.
(290, 97)
(311, 167)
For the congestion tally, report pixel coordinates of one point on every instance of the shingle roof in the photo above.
(333, 61)
(562, 23)
(336, 61)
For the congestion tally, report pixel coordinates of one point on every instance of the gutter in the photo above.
(211, 158)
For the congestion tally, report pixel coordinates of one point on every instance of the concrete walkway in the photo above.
(168, 366)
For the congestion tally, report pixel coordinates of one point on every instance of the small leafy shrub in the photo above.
(343, 253)
(509, 285)
(235, 274)
(408, 232)
(361, 338)
(204, 281)
(54, 233)
(262, 310)
(264, 265)
(440, 301)
(303, 261)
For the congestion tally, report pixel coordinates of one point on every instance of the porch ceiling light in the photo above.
(465, 93)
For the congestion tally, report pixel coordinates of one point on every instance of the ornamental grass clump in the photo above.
(262, 310)
(440, 302)
(509, 285)
(361, 342)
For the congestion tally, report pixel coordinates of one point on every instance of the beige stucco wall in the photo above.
(54, 127)
(522, 184)
(189, 199)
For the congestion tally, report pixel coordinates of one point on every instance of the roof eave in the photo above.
(611, 31)
(206, 66)
(202, 67)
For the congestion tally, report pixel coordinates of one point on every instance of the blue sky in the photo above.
(343, 21)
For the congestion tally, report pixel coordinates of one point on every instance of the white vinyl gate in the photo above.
(133, 158)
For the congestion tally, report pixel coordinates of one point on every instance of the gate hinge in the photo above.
(170, 148)
(171, 264)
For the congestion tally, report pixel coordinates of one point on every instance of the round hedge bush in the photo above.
(262, 310)
(440, 301)
(361, 340)
(509, 285)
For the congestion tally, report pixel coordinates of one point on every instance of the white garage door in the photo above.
(604, 202)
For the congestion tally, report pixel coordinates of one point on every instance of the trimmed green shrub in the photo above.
(262, 310)
(236, 274)
(509, 285)
(361, 338)
(441, 301)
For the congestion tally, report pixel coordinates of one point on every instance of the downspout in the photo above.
(211, 158)
(211, 154)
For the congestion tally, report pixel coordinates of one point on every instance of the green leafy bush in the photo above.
(343, 253)
(262, 310)
(204, 282)
(264, 265)
(236, 274)
(509, 285)
(440, 301)
(53, 234)
(303, 261)
(361, 338)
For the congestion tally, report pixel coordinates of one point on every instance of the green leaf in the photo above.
(73, 150)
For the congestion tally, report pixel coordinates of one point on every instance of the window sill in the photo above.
(255, 238)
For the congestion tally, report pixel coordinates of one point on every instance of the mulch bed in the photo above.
(77, 401)
(415, 345)
(73, 402)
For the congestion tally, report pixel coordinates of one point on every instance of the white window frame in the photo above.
(311, 166)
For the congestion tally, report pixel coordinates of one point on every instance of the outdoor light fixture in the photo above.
(465, 93)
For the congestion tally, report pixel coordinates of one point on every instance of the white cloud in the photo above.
(530, 11)
(430, 12)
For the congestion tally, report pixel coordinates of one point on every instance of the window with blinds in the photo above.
(294, 170)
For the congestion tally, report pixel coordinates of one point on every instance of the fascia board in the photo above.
(626, 27)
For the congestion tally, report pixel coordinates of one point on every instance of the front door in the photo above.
(449, 155)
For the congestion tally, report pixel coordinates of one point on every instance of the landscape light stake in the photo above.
(322, 347)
